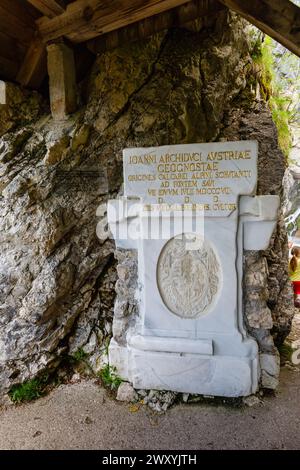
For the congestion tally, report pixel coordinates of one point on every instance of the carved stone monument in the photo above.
(190, 211)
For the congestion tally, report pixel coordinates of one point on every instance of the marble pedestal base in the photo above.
(188, 372)
(164, 346)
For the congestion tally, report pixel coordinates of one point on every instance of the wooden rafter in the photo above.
(172, 18)
(10, 48)
(17, 28)
(279, 19)
(104, 24)
(19, 9)
(15, 21)
(50, 8)
(86, 19)
(33, 69)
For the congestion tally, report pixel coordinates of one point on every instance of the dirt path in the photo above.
(83, 416)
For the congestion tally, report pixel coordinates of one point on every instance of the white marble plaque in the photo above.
(212, 175)
(190, 213)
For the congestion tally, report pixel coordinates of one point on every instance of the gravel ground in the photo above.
(84, 416)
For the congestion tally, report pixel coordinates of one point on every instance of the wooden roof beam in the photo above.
(175, 17)
(10, 48)
(87, 19)
(34, 67)
(280, 19)
(25, 13)
(15, 22)
(49, 8)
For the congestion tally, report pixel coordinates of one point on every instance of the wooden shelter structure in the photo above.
(58, 34)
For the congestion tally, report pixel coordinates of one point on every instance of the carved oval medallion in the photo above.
(188, 275)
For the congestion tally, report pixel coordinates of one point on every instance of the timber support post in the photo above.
(3, 99)
(62, 81)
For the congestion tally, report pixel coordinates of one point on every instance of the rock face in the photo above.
(268, 297)
(57, 273)
(291, 200)
(18, 107)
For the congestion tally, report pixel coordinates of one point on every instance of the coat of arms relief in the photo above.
(188, 275)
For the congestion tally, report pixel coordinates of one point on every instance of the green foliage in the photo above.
(107, 341)
(79, 355)
(264, 57)
(275, 65)
(29, 390)
(281, 116)
(109, 377)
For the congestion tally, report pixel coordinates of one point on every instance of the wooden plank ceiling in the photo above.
(28, 26)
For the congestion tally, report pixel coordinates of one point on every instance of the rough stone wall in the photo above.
(56, 277)
(268, 297)
(291, 200)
